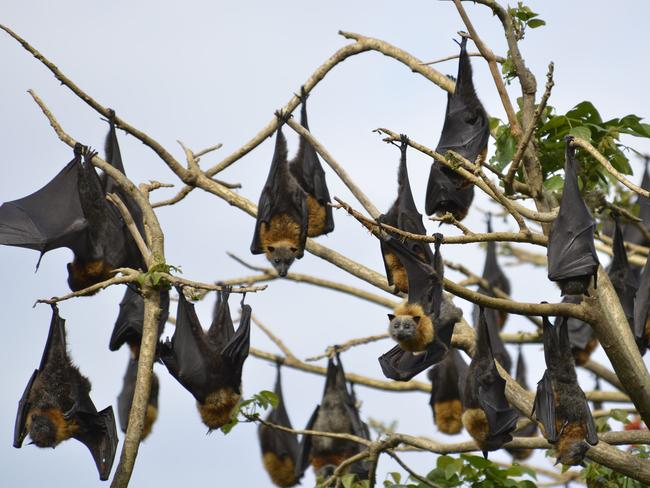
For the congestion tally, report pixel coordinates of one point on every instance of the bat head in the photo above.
(281, 256)
(42, 431)
(573, 454)
(411, 327)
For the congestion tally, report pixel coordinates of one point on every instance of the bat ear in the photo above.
(271, 248)
(294, 249)
(416, 319)
(390, 316)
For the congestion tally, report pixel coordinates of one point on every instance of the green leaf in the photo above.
(270, 397)
(477, 461)
(554, 183)
(348, 480)
(535, 23)
(230, 425)
(582, 132)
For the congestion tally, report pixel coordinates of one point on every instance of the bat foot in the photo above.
(282, 116)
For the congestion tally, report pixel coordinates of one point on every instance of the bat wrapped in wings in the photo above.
(466, 131)
(624, 277)
(404, 215)
(72, 211)
(642, 310)
(282, 212)
(572, 259)
(307, 170)
(209, 365)
(337, 413)
(56, 405)
(423, 325)
(280, 450)
(496, 278)
(560, 404)
(447, 384)
(488, 417)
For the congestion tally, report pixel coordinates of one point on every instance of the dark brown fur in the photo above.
(83, 275)
(317, 217)
(281, 470)
(449, 416)
(218, 407)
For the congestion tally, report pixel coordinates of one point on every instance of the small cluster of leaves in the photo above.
(582, 121)
(248, 410)
(522, 17)
(349, 480)
(598, 475)
(156, 275)
(468, 470)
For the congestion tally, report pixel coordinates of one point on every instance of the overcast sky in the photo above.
(210, 72)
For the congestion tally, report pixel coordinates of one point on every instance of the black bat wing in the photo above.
(445, 378)
(521, 370)
(20, 430)
(544, 407)
(309, 172)
(642, 308)
(492, 272)
(466, 129)
(48, 218)
(186, 356)
(501, 417)
(114, 158)
(128, 325)
(444, 196)
(425, 285)
(400, 365)
(99, 434)
(280, 443)
(499, 351)
(236, 351)
(571, 250)
(304, 454)
(125, 398)
(222, 329)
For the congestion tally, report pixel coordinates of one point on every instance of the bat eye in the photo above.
(416, 319)
(276, 261)
(271, 248)
(294, 249)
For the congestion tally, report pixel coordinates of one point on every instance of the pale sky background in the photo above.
(209, 72)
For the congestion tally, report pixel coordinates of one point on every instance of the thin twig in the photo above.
(127, 276)
(347, 345)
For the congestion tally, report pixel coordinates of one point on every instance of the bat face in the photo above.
(56, 405)
(307, 170)
(282, 214)
(572, 259)
(337, 413)
(210, 365)
(560, 404)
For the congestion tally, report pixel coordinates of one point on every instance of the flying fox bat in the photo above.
(560, 404)
(624, 278)
(642, 310)
(307, 170)
(488, 417)
(572, 259)
(56, 405)
(632, 233)
(528, 430)
(72, 211)
(280, 450)
(404, 215)
(466, 131)
(447, 383)
(282, 212)
(209, 365)
(581, 336)
(125, 399)
(423, 324)
(495, 277)
(128, 326)
(336, 413)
